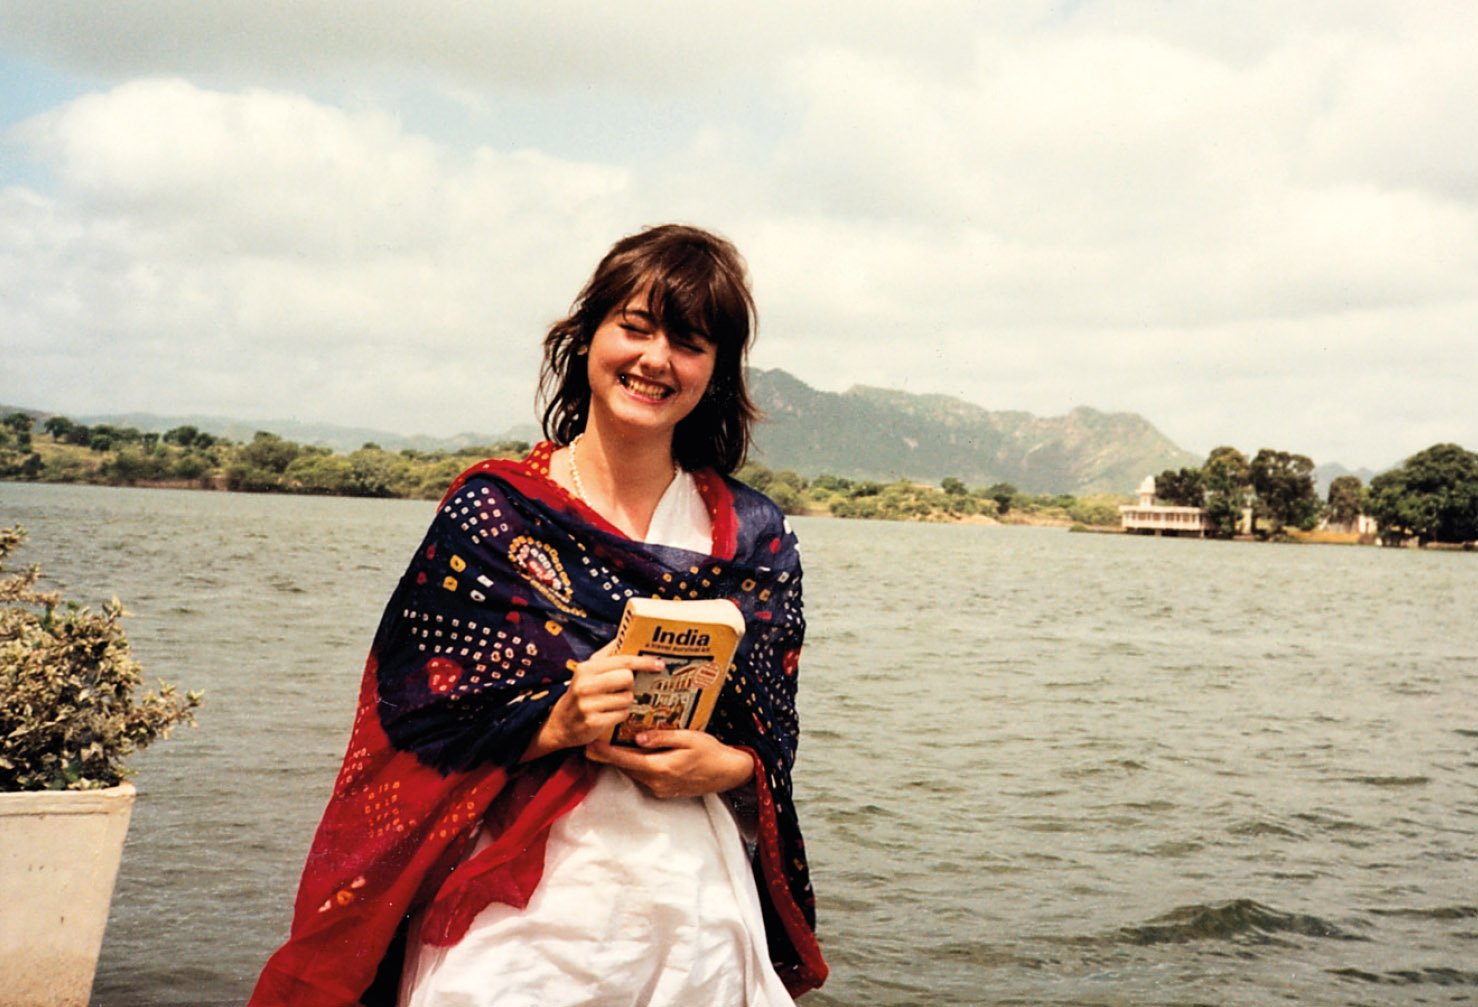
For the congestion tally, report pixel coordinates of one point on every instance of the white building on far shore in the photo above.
(1151, 518)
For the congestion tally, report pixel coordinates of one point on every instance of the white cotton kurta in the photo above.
(642, 902)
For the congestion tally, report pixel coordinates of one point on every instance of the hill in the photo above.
(884, 434)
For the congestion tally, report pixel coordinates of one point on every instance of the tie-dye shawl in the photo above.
(514, 583)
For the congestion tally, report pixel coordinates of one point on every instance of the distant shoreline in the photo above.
(1021, 520)
(217, 484)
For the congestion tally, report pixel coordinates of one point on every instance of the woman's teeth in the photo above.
(649, 389)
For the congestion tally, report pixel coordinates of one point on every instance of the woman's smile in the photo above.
(644, 388)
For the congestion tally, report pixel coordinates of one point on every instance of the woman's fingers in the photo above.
(602, 683)
(598, 663)
(599, 696)
(677, 763)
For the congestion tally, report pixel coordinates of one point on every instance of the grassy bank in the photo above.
(185, 458)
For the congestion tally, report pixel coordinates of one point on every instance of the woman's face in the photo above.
(641, 379)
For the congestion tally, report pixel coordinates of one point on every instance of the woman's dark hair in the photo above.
(696, 285)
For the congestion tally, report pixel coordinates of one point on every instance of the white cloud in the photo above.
(1254, 220)
(247, 244)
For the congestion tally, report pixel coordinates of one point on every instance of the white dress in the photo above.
(642, 902)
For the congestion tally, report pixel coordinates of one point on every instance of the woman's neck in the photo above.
(620, 478)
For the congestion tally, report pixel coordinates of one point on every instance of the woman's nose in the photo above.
(656, 353)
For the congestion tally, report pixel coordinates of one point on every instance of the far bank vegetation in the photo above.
(62, 451)
(1429, 499)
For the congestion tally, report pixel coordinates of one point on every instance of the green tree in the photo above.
(791, 479)
(117, 435)
(20, 425)
(1003, 494)
(1100, 509)
(785, 497)
(57, 426)
(184, 435)
(129, 466)
(954, 487)
(269, 452)
(1284, 484)
(189, 467)
(371, 475)
(831, 483)
(1180, 489)
(1433, 496)
(754, 475)
(1346, 500)
(1226, 479)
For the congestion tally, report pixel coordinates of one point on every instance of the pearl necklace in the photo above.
(575, 469)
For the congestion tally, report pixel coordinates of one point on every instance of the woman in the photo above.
(479, 819)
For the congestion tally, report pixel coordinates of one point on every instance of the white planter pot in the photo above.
(59, 854)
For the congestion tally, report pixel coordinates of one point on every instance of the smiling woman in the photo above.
(691, 286)
(484, 844)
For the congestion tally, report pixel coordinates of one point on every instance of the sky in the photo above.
(1253, 223)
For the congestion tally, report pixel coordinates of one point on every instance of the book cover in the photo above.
(696, 640)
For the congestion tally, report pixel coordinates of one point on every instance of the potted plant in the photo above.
(70, 714)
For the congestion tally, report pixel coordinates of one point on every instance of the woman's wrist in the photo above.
(743, 768)
(549, 738)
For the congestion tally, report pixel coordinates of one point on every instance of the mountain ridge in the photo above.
(868, 432)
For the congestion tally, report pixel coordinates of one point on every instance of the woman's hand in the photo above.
(598, 698)
(678, 763)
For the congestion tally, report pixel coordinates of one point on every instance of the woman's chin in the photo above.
(644, 417)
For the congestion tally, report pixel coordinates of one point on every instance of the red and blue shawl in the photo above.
(515, 582)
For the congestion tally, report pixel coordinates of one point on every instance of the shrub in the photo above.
(69, 716)
(785, 497)
(190, 467)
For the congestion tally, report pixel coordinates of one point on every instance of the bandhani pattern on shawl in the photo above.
(514, 583)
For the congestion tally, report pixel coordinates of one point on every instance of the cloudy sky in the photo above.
(1254, 223)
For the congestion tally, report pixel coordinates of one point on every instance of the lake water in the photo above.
(1036, 768)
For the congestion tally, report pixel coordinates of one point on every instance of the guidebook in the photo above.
(696, 640)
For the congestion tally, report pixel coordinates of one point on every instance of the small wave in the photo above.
(1436, 913)
(1241, 920)
(980, 955)
(1329, 824)
(1176, 848)
(1436, 975)
(1112, 766)
(1259, 828)
(1390, 781)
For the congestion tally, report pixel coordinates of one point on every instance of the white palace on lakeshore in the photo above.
(1150, 518)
